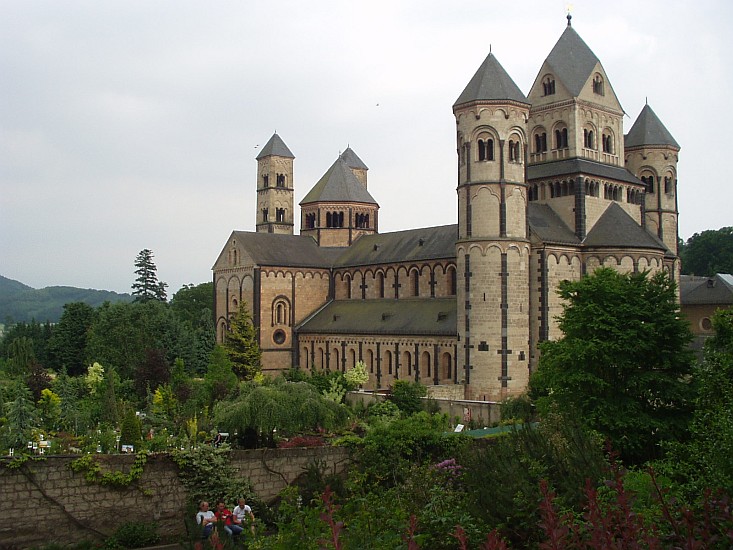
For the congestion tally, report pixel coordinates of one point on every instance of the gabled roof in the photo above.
(427, 243)
(580, 166)
(338, 184)
(616, 229)
(271, 249)
(352, 160)
(406, 316)
(491, 82)
(547, 225)
(714, 290)
(649, 130)
(275, 147)
(572, 61)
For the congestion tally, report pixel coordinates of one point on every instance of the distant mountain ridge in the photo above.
(22, 303)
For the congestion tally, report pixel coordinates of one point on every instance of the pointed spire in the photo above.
(572, 61)
(491, 82)
(649, 130)
(275, 147)
(353, 160)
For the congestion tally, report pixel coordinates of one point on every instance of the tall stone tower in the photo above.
(651, 155)
(275, 188)
(492, 250)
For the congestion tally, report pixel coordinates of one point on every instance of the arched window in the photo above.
(265, 180)
(347, 286)
(305, 358)
(649, 181)
(415, 283)
(329, 220)
(486, 149)
(370, 360)
(380, 284)
(668, 185)
(548, 85)
(540, 142)
(452, 281)
(447, 366)
(352, 356)
(388, 360)
(407, 362)
(598, 85)
(514, 152)
(281, 180)
(425, 370)
(336, 364)
(264, 214)
(607, 141)
(280, 215)
(281, 311)
(588, 142)
(561, 138)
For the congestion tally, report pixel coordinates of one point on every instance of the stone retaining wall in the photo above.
(44, 502)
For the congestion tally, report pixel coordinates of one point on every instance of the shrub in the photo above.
(135, 534)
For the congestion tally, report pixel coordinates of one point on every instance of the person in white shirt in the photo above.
(206, 519)
(242, 512)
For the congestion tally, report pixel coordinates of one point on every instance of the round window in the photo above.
(706, 323)
(279, 336)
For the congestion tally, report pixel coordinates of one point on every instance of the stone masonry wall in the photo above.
(44, 502)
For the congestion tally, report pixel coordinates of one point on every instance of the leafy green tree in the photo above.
(74, 412)
(356, 376)
(147, 287)
(708, 253)
(704, 461)
(38, 334)
(288, 407)
(407, 396)
(240, 343)
(220, 379)
(68, 344)
(109, 413)
(623, 364)
(49, 408)
(191, 301)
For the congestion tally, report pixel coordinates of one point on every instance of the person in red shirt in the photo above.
(225, 516)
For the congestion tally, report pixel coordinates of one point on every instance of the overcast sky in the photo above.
(129, 124)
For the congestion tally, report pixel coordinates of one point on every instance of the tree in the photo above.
(241, 345)
(623, 364)
(147, 287)
(708, 253)
(68, 344)
(407, 396)
(220, 379)
(191, 301)
(21, 356)
(22, 416)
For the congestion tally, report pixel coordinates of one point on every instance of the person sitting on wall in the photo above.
(206, 519)
(243, 513)
(225, 516)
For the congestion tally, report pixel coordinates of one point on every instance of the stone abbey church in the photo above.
(549, 188)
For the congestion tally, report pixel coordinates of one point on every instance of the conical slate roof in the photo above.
(353, 160)
(275, 147)
(491, 82)
(572, 61)
(338, 184)
(649, 130)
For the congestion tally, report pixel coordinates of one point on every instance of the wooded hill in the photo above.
(22, 303)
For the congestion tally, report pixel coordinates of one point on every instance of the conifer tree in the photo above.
(241, 345)
(147, 287)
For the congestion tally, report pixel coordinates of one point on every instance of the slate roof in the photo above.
(580, 166)
(427, 243)
(353, 160)
(547, 225)
(491, 82)
(616, 229)
(338, 184)
(408, 316)
(275, 147)
(271, 249)
(572, 61)
(714, 290)
(649, 130)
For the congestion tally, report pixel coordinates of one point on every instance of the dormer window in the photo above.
(548, 86)
(486, 149)
(598, 85)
